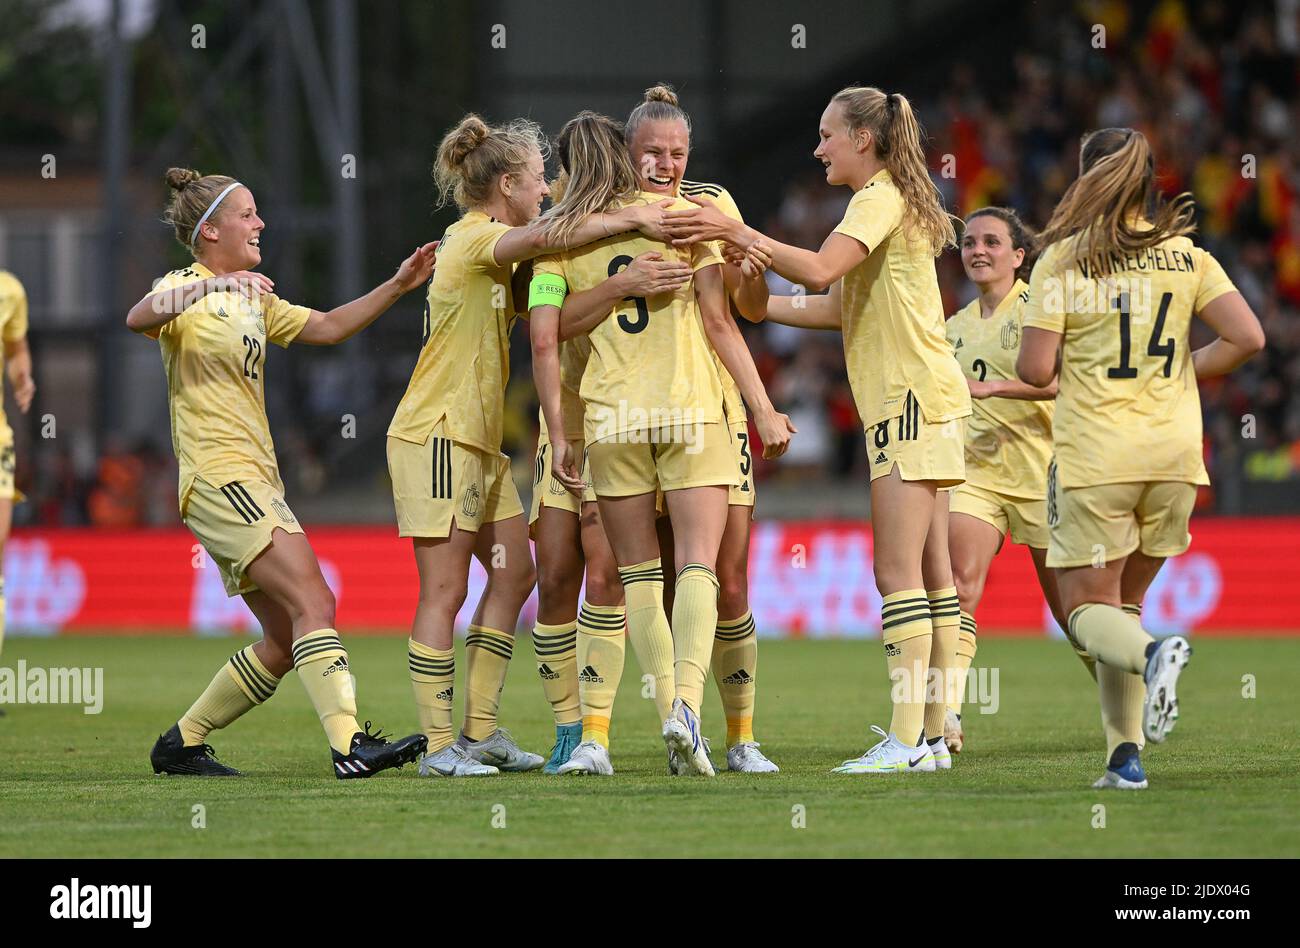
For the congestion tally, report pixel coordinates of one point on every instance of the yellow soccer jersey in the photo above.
(464, 361)
(214, 354)
(732, 404)
(573, 363)
(893, 316)
(650, 364)
(1008, 440)
(1128, 409)
(13, 327)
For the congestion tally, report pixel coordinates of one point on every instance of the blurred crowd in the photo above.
(1211, 84)
(1220, 115)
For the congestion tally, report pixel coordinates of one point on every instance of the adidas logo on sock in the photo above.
(545, 671)
(590, 674)
(445, 694)
(880, 458)
(339, 664)
(741, 677)
(892, 650)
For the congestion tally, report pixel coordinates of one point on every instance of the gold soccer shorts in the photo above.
(923, 451)
(628, 464)
(1024, 518)
(548, 492)
(443, 479)
(742, 494)
(1100, 524)
(234, 522)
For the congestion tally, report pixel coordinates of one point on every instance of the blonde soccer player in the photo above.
(17, 359)
(884, 297)
(658, 134)
(452, 486)
(1008, 437)
(1112, 299)
(213, 320)
(653, 419)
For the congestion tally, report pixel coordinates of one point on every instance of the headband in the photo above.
(212, 207)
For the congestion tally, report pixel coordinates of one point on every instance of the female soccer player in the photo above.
(17, 359)
(1009, 435)
(653, 418)
(658, 133)
(879, 266)
(564, 522)
(451, 484)
(212, 320)
(1112, 298)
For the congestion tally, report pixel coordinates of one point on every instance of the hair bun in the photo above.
(468, 135)
(179, 178)
(662, 93)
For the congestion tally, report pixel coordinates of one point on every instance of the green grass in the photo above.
(1224, 785)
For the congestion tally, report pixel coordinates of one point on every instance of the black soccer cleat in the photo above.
(372, 753)
(171, 756)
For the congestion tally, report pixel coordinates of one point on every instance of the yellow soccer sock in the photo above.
(1111, 636)
(695, 620)
(239, 686)
(556, 650)
(945, 619)
(487, 653)
(601, 645)
(906, 629)
(322, 664)
(648, 629)
(1121, 712)
(433, 673)
(967, 644)
(735, 668)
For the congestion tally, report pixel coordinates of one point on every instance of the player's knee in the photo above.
(733, 592)
(970, 586)
(558, 585)
(443, 599)
(604, 588)
(319, 604)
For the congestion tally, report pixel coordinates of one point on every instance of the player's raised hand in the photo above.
(417, 268)
(245, 282)
(705, 222)
(649, 219)
(756, 260)
(774, 430)
(650, 274)
(564, 467)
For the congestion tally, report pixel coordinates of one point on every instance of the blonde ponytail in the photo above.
(596, 172)
(898, 141)
(474, 154)
(1114, 191)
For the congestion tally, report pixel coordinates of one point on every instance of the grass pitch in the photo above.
(73, 784)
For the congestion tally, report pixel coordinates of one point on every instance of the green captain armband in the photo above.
(547, 289)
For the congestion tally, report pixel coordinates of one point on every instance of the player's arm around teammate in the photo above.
(1122, 484)
(18, 366)
(212, 320)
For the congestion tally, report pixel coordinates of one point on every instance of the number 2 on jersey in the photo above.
(1154, 346)
(642, 310)
(252, 356)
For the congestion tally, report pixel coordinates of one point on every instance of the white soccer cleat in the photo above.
(453, 761)
(589, 757)
(942, 756)
(890, 756)
(677, 769)
(500, 751)
(1163, 668)
(745, 757)
(682, 734)
(953, 735)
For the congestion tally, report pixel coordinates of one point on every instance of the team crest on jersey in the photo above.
(281, 508)
(469, 503)
(1010, 335)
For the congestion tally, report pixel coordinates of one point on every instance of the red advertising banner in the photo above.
(808, 579)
